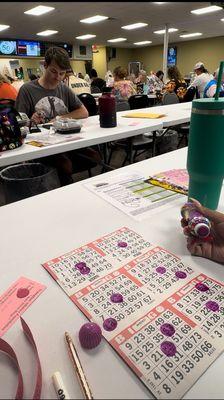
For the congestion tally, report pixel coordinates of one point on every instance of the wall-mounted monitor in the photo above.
(46, 45)
(172, 56)
(8, 47)
(28, 48)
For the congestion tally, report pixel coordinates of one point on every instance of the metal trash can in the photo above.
(25, 180)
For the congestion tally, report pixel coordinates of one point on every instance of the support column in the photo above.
(165, 51)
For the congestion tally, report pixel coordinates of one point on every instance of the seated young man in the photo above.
(45, 98)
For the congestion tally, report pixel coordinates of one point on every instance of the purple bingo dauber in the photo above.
(161, 269)
(201, 287)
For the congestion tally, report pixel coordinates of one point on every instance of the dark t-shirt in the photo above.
(98, 82)
(32, 97)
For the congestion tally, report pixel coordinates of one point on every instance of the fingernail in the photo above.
(196, 202)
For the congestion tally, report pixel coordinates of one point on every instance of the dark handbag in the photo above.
(10, 133)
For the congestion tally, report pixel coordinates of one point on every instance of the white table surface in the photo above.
(92, 134)
(39, 228)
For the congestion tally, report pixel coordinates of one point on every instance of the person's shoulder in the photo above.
(29, 85)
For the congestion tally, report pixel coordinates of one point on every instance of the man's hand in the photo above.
(38, 118)
(213, 249)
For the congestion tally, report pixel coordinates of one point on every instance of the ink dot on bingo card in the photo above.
(116, 298)
(168, 348)
(167, 329)
(201, 287)
(85, 270)
(22, 292)
(109, 324)
(181, 274)
(212, 305)
(161, 269)
(80, 265)
(122, 244)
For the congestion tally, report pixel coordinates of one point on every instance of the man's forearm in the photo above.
(77, 114)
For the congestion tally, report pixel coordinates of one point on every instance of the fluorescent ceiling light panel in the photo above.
(117, 40)
(206, 10)
(48, 32)
(84, 37)
(134, 26)
(222, 19)
(93, 20)
(143, 42)
(3, 27)
(39, 10)
(159, 2)
(187, 35)
(162, 31)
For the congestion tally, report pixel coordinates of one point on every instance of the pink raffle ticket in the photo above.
(16, 299)
(164, 318)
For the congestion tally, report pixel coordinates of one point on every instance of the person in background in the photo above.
(214, 250)
(87, 78)
(80, 75)
(122, 88)
(32, 77)
(202, 78)
(109, 78)
(95, 81)
(159, 84)
(211, 86)
(143, 83)
(45, 98)
(175, 77)
(7, 91)
(78, 85)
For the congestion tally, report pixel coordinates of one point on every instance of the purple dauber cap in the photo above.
(201, 287)
(161, 269)
(109, 324)
(122, 244)
(212, 305)
(90, 335)
(168, 348)
(116, 298)
(181, 274)
(167, 329)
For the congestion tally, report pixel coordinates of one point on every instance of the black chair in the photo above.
(139, 101)
(89, 102)
(170, 98)
(183, 130)
(190, 94)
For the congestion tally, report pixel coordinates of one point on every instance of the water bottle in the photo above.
(205, 161)
(107, 109)
(198, 224)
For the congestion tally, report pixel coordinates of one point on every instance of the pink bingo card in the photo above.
(167, 326)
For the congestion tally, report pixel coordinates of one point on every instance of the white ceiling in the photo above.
(66, 16)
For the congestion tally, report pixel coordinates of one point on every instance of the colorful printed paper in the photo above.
(143, 115)
(173, 179)
(16, 300)
(132, 194)
(169, 326)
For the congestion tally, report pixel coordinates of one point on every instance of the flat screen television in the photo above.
(172, 56)
(28, 48)
(46, 45)
(8, 47)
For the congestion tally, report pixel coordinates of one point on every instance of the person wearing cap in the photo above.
(210, 88)
(202, 78)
